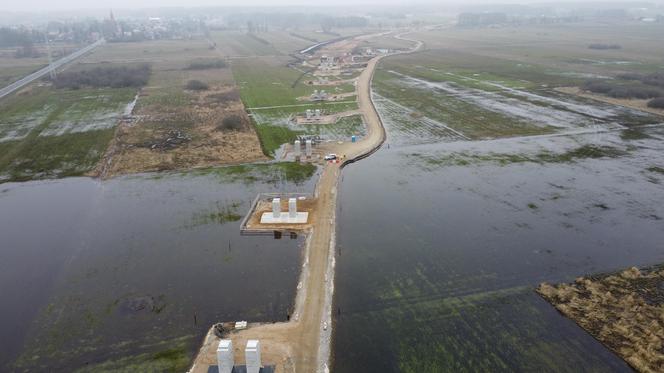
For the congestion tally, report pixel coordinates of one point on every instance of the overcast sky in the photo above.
(40, 5)
(9, 5)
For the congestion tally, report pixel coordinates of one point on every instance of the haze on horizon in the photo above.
(47, 5)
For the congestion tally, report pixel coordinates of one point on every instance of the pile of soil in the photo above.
(625, 311)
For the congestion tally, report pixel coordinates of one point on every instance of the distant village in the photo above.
(113, 30)
(516, 15)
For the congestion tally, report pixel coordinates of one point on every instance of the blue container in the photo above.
(352, 138)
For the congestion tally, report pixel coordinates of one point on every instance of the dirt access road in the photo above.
(303, 343)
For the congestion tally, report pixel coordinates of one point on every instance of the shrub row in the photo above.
(621, 91)
(604, 46)
(657, 103)
(654, 79)
(115, 77)
(204, 65)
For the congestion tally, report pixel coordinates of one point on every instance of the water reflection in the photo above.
(93, 271)
(442, 245)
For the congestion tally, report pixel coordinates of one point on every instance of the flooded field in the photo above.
(48, 133)
(341, 130)
(447, 105)
(64, 113)
(441, 246)
(410, 127)
(130, 273)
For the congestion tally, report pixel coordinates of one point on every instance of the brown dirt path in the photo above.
(303, 343)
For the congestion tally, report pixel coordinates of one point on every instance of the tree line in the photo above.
(639, 86)
(19, 37)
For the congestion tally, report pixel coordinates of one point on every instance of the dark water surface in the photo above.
(93, 272)
(441, 247)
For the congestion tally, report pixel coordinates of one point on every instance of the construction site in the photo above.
(340, 189)
(302, 344)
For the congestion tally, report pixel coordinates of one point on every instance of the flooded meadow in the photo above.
(442, 243)
(130, 273)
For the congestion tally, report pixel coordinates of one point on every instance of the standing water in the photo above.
(441, 246)
(130, 273)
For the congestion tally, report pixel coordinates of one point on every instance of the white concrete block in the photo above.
(292, 208)
(307, 148)
(297, 148)
(252, 354)
(225, 360)
(276, 207)
(300, 218)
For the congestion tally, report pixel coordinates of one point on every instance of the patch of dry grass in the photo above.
(624, 311)
(173, 137)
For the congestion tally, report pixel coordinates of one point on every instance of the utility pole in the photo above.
(50, 58)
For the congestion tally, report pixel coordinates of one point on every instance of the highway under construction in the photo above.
(302, 344)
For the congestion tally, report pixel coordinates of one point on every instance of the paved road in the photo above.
(46, 70)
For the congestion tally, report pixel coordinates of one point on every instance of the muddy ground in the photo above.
(306, 205)
(625, 311)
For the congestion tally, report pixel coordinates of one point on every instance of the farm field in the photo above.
(167, 127)
(235, 44)
(268, 82)
(165, 53)
(498, 180)
(9, 72)
(319, 36)
(271, 91)
(285, 41)
(386, 42)
(174, 127)
(13, 68)
(46, 134)
(240, 44)
(561, 46)
(482, 96)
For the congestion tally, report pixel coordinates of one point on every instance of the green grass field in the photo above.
(559, 47)
(235, 43)
(268, 82)
(270, 90)
(435, 65)
(387, 42)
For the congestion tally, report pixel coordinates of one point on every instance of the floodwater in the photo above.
(95, 271)
(441, 246)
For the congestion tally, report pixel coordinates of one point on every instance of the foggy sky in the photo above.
(46, 5)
